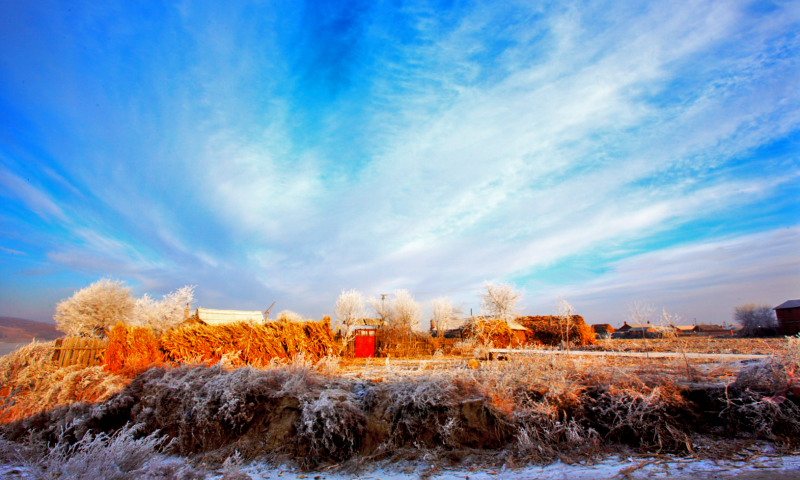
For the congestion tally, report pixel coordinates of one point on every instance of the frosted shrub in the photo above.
(165, 314)
(333, 424)
(544, 430)
(124, 455)
(94, 309)
(653, 418)
(418, 410)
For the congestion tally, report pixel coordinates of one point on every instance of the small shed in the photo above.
(366, 342)
(211, 316)
(788, 314)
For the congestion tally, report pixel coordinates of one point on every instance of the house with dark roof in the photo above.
(788, 314)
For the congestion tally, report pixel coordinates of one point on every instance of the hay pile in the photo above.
(552, 330)
(493, 332)
(245, 343)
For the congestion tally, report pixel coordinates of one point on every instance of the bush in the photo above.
(165, 314)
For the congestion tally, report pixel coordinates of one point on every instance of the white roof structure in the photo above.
(210, 316)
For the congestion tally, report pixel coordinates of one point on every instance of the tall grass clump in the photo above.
(246, 343)
(132, 350)
(123, 455)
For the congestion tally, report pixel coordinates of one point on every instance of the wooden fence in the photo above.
(79, 351)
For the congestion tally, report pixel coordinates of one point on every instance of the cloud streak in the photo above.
(288, 152)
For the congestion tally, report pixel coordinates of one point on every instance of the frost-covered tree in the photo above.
(349, 308)
(406, 312)
(755, 319)
(165, 314)
(500, 301)
(93, 310)
(565, 311)
(383, 309)
(443, 313)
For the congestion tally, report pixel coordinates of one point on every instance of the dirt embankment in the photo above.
(521, 409)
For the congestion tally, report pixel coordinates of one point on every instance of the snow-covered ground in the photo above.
(757, 468)
(765, 467)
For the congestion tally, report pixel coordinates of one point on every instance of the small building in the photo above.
(712, 330)
(788, 314)
(684, 330)
(365, 342)
(643, 330)
(211, 316)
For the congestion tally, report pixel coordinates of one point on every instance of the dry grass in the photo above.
(32, 383)
(760, 346)
(553, 330)
(132, 350)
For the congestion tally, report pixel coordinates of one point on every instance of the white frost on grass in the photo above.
(633, 468)
(682, 468)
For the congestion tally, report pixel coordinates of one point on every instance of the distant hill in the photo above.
(19, 330)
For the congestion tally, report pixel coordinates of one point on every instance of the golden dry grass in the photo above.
(249, 343)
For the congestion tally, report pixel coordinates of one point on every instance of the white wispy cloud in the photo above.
(502, 140)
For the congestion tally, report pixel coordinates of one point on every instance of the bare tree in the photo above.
(443, 313)
(92, 310)
(165, 314)
(406, 312)
(500, 301)
(349, 308)
(640, 312)
(755, 319)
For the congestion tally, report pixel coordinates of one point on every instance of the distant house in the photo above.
(211, 316)
(643, 330)
(712, 330)
(684, 330)
(788, 314)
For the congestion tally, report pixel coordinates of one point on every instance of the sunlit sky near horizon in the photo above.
(603, 152)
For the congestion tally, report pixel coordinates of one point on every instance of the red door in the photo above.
(366, 342)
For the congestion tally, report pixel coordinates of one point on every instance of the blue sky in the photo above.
(603, 152)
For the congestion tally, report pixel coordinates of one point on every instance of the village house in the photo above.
(788, 314)
(712, 330)
(643, 330)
